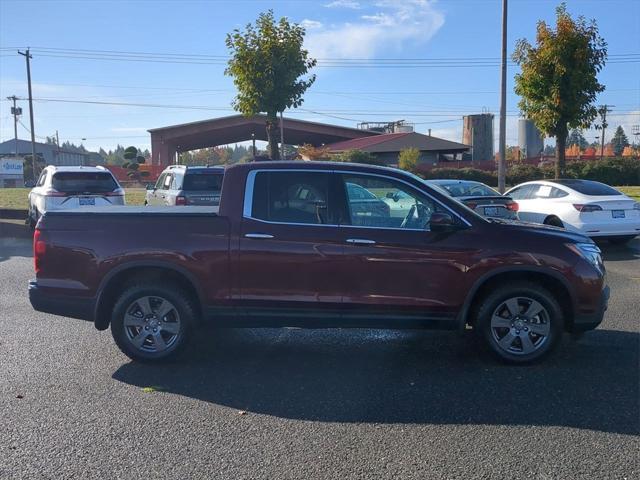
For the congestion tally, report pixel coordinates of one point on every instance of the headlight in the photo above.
(590, 252)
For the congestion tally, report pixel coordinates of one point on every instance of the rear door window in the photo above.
(292, 197)
(202, 181)
(167, 182)
(523, 193)
(43, 177)
(160, 181)
(83, 182)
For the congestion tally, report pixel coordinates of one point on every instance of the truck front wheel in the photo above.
(152, 322)
(520, 322)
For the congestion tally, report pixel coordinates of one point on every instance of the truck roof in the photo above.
(311, 165)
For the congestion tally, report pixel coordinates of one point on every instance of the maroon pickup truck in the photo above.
(302, 244)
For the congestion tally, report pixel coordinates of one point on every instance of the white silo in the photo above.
(530, 140)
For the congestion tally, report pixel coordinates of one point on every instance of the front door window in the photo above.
(374, 201)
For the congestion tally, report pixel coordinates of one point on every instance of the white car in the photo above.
(591, 208)
(73, 187)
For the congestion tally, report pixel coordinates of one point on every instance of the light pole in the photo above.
(502, 142)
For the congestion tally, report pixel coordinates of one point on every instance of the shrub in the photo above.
(358, 156)
(612, 171)
(490, 178)
(408, 159)
(522, 173)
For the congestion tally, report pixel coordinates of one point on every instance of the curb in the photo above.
(13, 229)
(13, 214)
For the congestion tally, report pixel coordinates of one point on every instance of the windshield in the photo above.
(464, 189)
(84, 182)
(202, 181)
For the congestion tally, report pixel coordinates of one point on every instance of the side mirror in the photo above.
(151, 186)
(442, 222)
(30, 184)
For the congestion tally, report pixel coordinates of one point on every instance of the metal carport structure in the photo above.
(166, 141)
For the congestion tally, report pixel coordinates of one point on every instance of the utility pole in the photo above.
(15, 111)
(282, 157)
(603, 110)
(502, 141)
(28, 57)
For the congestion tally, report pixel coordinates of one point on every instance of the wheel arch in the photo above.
(553, 281)
(112, 284)
(549, 218)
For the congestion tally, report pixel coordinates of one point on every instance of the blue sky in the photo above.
(432, 97)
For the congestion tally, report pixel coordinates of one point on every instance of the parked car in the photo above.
(72, 187)
(283, 249)
(480, 197)
(584, 206)
(185, 185)
(399, 203)
(364, 203)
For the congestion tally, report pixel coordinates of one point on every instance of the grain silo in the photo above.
(477, 131)
(530, 140)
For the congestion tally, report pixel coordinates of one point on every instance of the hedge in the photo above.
(613, 171)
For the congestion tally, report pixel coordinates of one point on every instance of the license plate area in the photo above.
(87, 201)
(617, 213)
(491, 211)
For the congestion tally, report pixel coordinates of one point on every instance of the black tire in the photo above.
(184, 311)
(621, 240)
(554, 222)
(526, 294)
(33, 219)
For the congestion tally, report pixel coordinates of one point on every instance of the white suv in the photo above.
(73, 187)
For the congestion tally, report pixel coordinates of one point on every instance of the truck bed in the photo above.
(138, 210)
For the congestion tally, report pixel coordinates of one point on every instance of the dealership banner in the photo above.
(11, 166)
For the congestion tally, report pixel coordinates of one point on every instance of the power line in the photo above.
(201, 59)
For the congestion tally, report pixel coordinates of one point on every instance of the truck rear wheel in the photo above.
(152, 322)
(520, 323)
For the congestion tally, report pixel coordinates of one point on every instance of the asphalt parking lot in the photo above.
(280, 404)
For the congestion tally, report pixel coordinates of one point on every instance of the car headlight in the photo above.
(590, 252)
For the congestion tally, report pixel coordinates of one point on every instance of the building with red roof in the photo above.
(387, 147)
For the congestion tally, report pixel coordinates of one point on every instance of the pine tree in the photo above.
(619, 141)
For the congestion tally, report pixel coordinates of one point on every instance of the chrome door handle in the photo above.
(263, 236)
(361, 241)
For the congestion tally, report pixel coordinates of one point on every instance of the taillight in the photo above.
(54, 193)
(180, 200)
(118, 192)
(472, 205)
(591, 207)
(513, 206)
(39, 249)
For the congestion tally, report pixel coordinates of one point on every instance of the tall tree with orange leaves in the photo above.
(558, 80)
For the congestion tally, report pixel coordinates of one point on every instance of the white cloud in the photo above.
(311, 24)
(395, 25)
(343, 4)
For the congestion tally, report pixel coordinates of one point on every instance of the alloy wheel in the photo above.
(520, 325)
(152, 324)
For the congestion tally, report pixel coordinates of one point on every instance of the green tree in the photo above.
(268, 64)
(619, 141)
(558, 80)
(576, 138)
(408, 159)
(133, 160)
